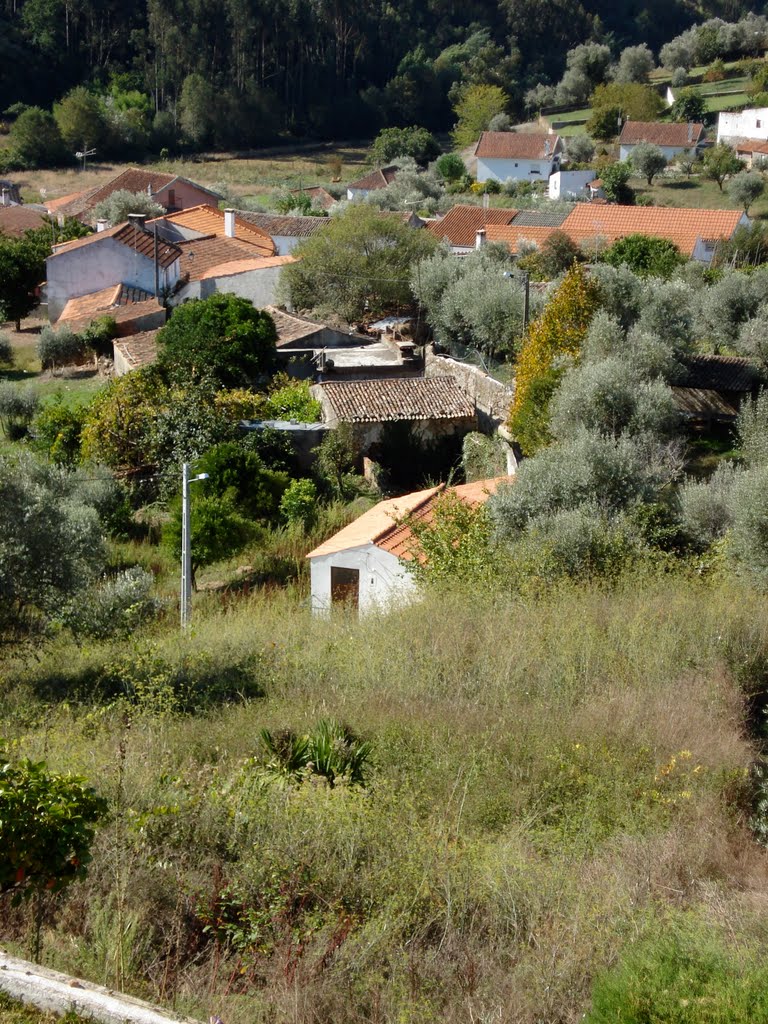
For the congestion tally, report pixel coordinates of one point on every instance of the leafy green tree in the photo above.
(557, 254)
(688, 106)
(57, 430)
(240, 474)
(605, 123)
(22, 270)
(415, 142)
(36, 139)
(197, 109)
(746, 188)
(455, 546)
(634, 101)
(615, 179)
(116, 207)
(361, 263)
(721, 162)
(291, 399)
(60, 347)
(450, 167)
(474, 109)
(219, 529)
(299, 503)
(47, 824)
(223, 336)
(635, 64)
(645, 255)
(337, 454)
(648, 160)
(80, 119)
(18, 405)
(580, 149)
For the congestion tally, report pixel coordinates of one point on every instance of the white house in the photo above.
(517, 156)
(125, 254)
(571, 185)
(743, 124)
(365, 566)
(672, 139)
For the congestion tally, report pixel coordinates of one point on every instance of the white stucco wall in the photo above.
(285, 244)
(563, 184)
(502, 170)
(257, 285)
(98, 265)
(670, 152)
(704, 251)
(384, 579)
(747, 124)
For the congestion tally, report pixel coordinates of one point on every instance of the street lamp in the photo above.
(186, 546)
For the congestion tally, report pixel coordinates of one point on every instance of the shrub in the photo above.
(749, 539)
(645, 255)
(60, 347)
(114, 607)
(580, 149)
(291, 400)
(18, 406)
(752, 430)
(6, 350)
(57, 430)
(331, 751)
(705, 507)
(450, 167)
(299, 503)
(679, 78)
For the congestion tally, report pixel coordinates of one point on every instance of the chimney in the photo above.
(546, 147)
(101, 225)
(137, 219)
(480, 238)
(229, 223)
(690, 132)
(6, 200)
(486, 200)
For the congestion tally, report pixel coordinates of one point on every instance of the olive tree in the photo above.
(648, 160)
(746, 188)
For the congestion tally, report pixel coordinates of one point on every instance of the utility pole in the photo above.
(186, 545)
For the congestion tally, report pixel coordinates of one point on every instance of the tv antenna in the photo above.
(84, 153)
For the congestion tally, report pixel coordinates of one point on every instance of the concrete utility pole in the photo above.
(186, 545)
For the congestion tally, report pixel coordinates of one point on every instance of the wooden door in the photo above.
(345, 586)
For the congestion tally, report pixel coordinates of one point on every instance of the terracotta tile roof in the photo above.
(387, 524)
(683, 227)
(702, 403)
(379, 178)
(292, 328)
(753, 146)
(132, 179)
(462, 222)
(686, 136)
(127, 234)
(138, 349)
(399, 398)
(512, 235)
(209, 220)
(517, 145)
(320, 197)
(280, 224)
(721, 373)
(72, 204)
(15, 220)
(245, 266)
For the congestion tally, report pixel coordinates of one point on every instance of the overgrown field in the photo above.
(561, 800)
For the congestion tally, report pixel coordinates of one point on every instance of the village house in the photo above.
(572, 185)
(285, 230)
(517, 156)
(714, 388)
(377, 179)
(754, 153)
(459, 227)
(672, 139)
(132, 309)
(171, 191)
(134, 352)
(365, 566)
(734, 126)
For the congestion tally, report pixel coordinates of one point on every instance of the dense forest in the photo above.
(321, 67)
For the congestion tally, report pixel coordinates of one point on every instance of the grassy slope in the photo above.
(551, 779)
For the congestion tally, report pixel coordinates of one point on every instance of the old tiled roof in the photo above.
(516, 145)
(320, 197)
(209, 220)
(245, 266)
(107, 299)
(539, 219)
(132, 179)
(660, 134)
(388, 524)
(379, 178)
(721, 373)
(292, 328)
(15, 220)
(753, 146)
(130, 235)
(408, 398)
(138, 349)
(512, 235)
(683, 227)
(462, 222)
(703, 403)
(284, 224)
(199, 255)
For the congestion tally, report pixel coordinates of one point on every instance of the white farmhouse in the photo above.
(672, 139)
(517, 156)
(744, 124)
(365, 566)
(571, 185)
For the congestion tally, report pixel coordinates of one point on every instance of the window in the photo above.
(171, 198)
(345, 586)
(758, 124)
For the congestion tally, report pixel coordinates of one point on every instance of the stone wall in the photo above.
(491, 397)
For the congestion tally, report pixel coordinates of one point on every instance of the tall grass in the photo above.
(549, 777)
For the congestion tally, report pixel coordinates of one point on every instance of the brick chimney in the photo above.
(229, 223)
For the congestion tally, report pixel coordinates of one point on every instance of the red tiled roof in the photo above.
(752, 146)
(388, 524)
(659, 133)
(462, 222)
(517, 145)
(138, 349)
(320, 197)
(200, 255)
(683, 227)
(246, 266)
(721, 373)
(132, 179)
(399, 398)
(127, 234)
(283, 224)
(209, 220)
(15, 220)
(512, 236)
(379, 178)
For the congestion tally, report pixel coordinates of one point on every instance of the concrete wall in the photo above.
(384, 579)
(98, 265)
(492, 398)
(503, 170)
(285, 244)
(257, 285)
(747, 124)
(670, 152)
(566, 184)
(185, 195)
